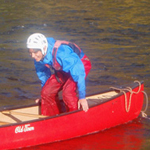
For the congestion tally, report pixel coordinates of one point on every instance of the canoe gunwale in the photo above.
(132, 85)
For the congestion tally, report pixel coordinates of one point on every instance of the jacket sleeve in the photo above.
(42, 71)
(71, 62)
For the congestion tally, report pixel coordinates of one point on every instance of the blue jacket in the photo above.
(68, 60)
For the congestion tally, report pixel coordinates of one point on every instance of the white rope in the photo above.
(127, 106)
(129, 89)
(144, 115)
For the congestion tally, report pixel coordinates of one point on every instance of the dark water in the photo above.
(115, 34)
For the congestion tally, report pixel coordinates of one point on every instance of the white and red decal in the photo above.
(24, 128)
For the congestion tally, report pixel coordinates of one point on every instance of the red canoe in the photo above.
(23, 126)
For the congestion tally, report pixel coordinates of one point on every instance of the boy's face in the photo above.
(36, 54)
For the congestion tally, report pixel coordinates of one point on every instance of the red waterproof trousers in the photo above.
(50, 104)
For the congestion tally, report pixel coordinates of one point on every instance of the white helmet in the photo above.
(37, 41)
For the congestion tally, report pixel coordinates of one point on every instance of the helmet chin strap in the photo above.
(44, 50)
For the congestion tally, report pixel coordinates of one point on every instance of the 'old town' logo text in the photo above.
(24, 128)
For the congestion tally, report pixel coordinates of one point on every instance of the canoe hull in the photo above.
(73, 124)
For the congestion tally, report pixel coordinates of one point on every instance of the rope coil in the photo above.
(129, 89)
